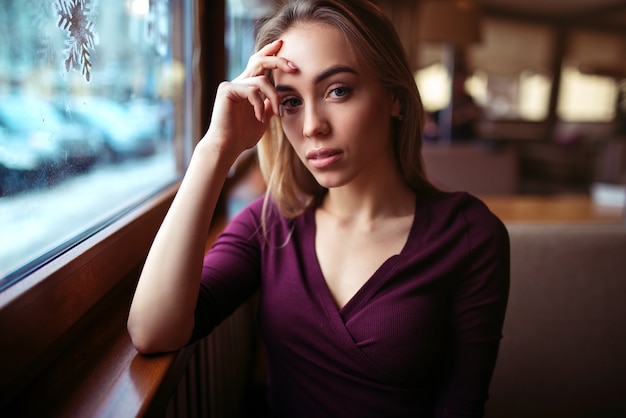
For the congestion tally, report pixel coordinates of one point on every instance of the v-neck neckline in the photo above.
(369, 286)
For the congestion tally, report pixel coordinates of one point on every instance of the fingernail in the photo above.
(263, 118)
(292, 65)
(281, 110)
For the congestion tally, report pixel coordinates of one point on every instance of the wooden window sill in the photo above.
(102, 375)
(65, 348)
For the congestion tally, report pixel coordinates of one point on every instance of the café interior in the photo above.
(547, 154)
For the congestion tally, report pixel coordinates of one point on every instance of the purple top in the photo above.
(419, 339)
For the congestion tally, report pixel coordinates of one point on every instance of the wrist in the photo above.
(216, 151)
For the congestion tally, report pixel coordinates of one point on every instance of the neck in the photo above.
(378, 198)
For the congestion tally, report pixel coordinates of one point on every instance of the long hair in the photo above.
(375, 41)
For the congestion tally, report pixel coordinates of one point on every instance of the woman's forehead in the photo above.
(314, 46)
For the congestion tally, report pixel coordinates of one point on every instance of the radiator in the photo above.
(220, 370)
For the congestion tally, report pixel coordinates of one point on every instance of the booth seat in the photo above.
(563, 353)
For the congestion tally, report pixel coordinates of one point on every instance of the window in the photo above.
(517, 85)
(505, 82)
(587, 97)
(94, 105)
(434, 85)
(241, 21)
(592, 65)
(242, 18)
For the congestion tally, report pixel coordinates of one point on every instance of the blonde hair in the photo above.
(375, 41)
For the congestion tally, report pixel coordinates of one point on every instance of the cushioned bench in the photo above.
(564, 347)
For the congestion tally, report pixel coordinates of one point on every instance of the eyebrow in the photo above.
(322, 76)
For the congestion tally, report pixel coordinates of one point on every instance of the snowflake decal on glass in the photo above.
(74, 19)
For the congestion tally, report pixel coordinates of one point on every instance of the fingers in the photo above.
(266, 60)
(257, 90)
(256, 99)
(260, 92)
(255, 74)
(235, 96)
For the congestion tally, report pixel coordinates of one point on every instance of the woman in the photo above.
(380, 295)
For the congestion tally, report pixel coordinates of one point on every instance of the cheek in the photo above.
(369, 121)
(292, 131)
(288, 124)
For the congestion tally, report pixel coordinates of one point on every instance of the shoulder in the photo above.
(252, 209)
(451, 204)
(464, 214)
(261, 219)
(248, 217)
(471, 238)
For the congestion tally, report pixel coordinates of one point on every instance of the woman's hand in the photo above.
(244, 106)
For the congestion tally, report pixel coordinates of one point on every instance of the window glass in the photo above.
(587, 98)
(517, 85)
(242, 18)
(92, 98)
(534, 95)
(434, 85)
(241, 22)
(525, 96)
(592, 65)
(504, 82)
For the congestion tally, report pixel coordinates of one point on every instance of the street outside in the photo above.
(37, 221)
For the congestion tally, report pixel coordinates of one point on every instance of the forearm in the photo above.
(161, 317)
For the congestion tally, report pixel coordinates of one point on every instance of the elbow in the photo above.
(149, 340)
(141, 340)
(144, 347)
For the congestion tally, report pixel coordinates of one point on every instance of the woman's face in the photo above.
(336, 113)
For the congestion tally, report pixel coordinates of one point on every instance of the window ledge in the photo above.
(102, 375)
(64, 343)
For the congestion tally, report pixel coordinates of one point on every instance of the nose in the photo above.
(315, 122)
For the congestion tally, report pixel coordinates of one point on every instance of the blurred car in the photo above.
(126, 133)
(22, 166)
(70, 147)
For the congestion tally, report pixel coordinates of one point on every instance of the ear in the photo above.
(396, 107)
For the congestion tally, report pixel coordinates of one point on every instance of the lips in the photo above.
(323, 157)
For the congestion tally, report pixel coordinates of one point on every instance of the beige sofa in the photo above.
(564, 348)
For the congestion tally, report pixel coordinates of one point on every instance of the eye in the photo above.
(340, 92)
(290, 103)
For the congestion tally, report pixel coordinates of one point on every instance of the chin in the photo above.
(331, 181)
